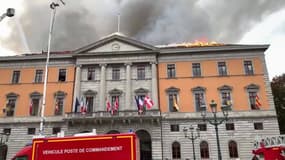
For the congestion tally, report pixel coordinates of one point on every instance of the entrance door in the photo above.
(145, 145)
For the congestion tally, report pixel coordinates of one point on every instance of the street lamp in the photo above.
(9, 13)
(215, 121)
(192, 136)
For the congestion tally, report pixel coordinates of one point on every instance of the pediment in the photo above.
(115, 43)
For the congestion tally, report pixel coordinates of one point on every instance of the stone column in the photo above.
(128, 86)
(154, 84)
(102, 87)
(77, 88)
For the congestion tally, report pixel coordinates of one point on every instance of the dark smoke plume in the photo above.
(79, 23)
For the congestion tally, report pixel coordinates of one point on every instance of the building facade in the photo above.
(105, 86)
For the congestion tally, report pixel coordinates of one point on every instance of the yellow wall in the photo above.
(26, 86)
(211, 81)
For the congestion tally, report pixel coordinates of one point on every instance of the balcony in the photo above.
(126, 116)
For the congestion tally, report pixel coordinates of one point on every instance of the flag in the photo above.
(76, 104)
(82, 105)
(86, 106)
(257, 102)
(140, 104)
(116, 104)
(108, 105)
(31, 107)
(175, 105)
(148, 102)
(56, 106)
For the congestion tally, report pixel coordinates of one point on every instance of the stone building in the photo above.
(120, 72)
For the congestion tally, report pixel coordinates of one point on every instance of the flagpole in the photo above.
(53, 11)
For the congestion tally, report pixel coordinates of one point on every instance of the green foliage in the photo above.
(278, 91)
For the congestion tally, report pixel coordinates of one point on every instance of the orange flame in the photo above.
(199, 44)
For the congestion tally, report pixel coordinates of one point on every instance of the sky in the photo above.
(158, 22)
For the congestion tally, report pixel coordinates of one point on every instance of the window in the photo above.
(222, 68)
(34, 107)
(199, 101)
(89, 103)
(16, 77)
(141, 72)
(7, 131)
(230, 126)
(226, 98)
(116, 73)
(252, 90)
(204, 149)
(258, 126)
(31, 131)
(196, 70)
(58, 106)
(202, 127)
(56, 130)
(172, 99)
(174, 128)
(59, 102)
(11, 104)
(39, 76)
(233, 150)
(62, 75)
(91, 74)
(114, 99)
(176, 150)
(252, 100)
(248, 68)
(170, 70)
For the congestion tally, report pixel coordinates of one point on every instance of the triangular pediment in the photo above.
(115, 42)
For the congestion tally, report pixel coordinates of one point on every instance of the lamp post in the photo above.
(9, 13)
(215, 120)
(192, 137)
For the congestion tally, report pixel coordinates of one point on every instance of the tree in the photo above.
(278, 91)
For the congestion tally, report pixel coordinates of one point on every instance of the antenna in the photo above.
(119, 22)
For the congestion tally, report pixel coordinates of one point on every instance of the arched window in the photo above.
(233, 149)
(204, 149)
(176, 150)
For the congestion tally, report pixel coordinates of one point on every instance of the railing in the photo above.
(119, 114)
(272, 141)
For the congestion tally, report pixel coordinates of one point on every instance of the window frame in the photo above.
(233, 149)
(204, 149)
(116, 73)
(39, 76)
(222, 68)
(141, 70)
(176, 150)
(196, 70)
(16, 77)
(252, 92)
(59, 99)
(61, 77)
(91, 73)
(258, 126)
(248, 67)
(171, 70)
(230, 126)
(174, 128)
(31, 131)
(172, 92)
(202, 126)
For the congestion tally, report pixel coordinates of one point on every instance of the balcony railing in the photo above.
(120, 114)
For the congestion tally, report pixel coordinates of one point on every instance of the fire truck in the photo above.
(104, 147)
(269, 148)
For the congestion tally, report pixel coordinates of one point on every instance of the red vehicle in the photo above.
(103, 147)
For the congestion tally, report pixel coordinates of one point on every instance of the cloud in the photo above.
(79, 23)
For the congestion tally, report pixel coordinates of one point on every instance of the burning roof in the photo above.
(190, 44)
